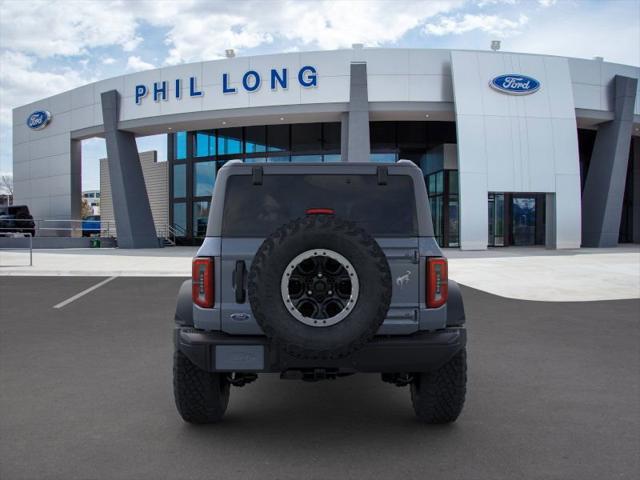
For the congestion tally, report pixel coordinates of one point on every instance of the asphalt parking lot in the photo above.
(85, 392)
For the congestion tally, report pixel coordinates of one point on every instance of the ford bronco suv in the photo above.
(318, 271)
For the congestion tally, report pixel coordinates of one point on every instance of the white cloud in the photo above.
(484, 3)
(547, 3)
(584, 34)
(135, 64)
(22, 83)
(108, 61)
(203, 30)
(46, 29)
(491, 24)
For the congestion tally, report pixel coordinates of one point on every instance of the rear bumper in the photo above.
(420, 352)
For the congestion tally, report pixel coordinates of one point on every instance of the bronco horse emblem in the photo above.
(402, 280)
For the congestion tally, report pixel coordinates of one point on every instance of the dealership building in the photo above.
(516, 149)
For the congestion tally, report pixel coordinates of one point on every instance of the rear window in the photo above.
(257, 210)
(21, 209)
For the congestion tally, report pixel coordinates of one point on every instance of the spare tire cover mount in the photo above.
(320, 287)
(334, 312)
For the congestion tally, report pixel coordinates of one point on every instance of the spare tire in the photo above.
(320, 287)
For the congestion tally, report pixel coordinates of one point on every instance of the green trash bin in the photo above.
(94, 243)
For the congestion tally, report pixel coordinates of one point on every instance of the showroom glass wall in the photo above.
(195, 157)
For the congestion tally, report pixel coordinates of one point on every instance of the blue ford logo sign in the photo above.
(515, 84)
(38, 120)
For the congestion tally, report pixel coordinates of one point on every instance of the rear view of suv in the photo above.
(317, 271)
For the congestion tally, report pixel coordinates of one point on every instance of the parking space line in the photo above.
(83, 293)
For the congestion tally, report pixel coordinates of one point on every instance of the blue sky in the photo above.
(47, 47)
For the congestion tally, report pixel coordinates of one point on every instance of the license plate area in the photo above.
(239, 358)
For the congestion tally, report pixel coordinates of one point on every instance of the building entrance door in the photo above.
(496, 219)
(523, 214)
(516, 219)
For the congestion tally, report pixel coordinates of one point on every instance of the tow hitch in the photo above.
(241, 379)
(398, 379)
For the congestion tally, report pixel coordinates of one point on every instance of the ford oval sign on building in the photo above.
(515, 84)
(38, 120)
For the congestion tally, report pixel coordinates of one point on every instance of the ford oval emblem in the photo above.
(515, 84)
(38, 120)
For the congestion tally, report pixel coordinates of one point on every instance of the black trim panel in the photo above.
(424, 351)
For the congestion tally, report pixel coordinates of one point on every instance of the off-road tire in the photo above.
(438, 397)
(317, 232)
(201, 397)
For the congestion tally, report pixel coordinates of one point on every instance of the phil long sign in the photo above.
(515, 84)
(251, 81)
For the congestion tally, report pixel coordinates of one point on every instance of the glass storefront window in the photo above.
(205, 144)
(255, 139)
(412, 135)
(283, 159)
(440, 182)
(523, 215)
(180, 144)
(454, 227)
(179, 180)
(383, 157)
(198, 155)
(204, 176)
(444, 207)
(278, 138)
(180, 216)
(306, 158)
(453, 182)
(200, 218)
(331, 136)
(383, 135)
(499, 216)
(435, 183)
(306, 137)
(230, 141)
(436, 217)
(496, 220)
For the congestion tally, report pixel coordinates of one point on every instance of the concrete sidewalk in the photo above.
(521, 273)
(551, 275)
(155, 262)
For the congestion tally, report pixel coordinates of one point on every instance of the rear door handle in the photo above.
(238, 281)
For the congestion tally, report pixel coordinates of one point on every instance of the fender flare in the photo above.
(455, 306)
(184, 306)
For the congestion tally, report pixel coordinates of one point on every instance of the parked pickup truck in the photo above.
(16, 219)
(91, 225)
(314, 272)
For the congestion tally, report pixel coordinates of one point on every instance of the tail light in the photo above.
(320, 211)
(437, 282)
(202, 288)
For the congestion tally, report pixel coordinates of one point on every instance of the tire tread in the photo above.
(201, 397)
(438, 397)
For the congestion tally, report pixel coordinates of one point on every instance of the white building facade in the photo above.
(515, 148)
